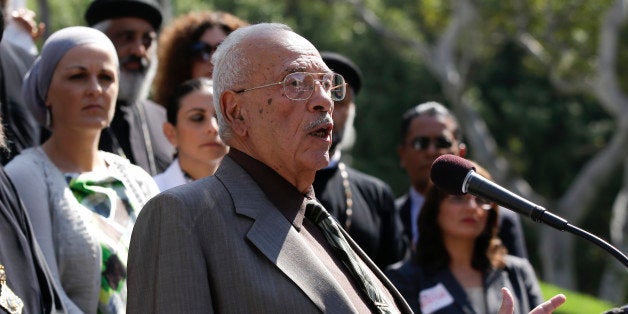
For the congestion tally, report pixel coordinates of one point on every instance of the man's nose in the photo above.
(321, 99)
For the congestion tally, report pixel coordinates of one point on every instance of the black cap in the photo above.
(345, 67)
(100, 10)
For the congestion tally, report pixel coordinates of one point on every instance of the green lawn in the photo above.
(577, 303)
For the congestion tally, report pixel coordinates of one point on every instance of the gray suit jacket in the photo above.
(219, 245)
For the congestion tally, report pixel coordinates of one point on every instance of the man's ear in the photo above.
(171, 133)
(231, 109)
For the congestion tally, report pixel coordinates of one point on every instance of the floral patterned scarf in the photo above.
(114, 214)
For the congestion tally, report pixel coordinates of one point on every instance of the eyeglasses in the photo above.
(203, 51)
(423, 142)
(463, 199)
(301, 85)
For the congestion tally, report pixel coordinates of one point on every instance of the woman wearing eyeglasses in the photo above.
(460, 265)
(192, 128)
(186, 47)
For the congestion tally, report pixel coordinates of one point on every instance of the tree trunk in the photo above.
(44, 15)
(615, 277)
(556, 248)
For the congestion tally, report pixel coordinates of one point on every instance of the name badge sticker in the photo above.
(434, 299)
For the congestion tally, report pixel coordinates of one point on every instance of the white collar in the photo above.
(334, 160)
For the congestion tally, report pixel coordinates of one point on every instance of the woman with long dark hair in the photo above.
(460, 265)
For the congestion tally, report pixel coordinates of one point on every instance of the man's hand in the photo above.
(25, 18)
(547, 307)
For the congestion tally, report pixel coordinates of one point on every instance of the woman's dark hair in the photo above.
(431, 253)
(174, 102)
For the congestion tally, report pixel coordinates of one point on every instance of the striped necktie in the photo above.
(316, 213)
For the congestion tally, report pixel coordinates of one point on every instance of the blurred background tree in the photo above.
(538, 86)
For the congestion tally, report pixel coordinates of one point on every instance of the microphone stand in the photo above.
(599, 242)
(541, 215)
(483, 187)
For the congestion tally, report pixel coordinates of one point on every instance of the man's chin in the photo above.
(133, 70)
(335, 140)
(132, 86)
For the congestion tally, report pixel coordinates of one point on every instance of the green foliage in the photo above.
(569, 30)
(62, 13)
(184, 6)
(622, 58)
(540, 122)
(577, 303)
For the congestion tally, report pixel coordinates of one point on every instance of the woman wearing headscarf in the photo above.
(82, 202)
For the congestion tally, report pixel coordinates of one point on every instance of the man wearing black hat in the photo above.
(363, 204)
(136, 130)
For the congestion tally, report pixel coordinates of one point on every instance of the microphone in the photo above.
(456, 175)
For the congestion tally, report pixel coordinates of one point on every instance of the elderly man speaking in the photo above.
(253, 238)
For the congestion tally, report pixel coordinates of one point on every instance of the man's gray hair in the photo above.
(232, 66)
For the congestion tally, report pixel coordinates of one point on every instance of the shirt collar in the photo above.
(334, 160)
(414, 194)
(285, 196)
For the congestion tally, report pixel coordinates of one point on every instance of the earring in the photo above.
(48, 118)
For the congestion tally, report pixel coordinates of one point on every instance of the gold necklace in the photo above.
(9, 300)
(347, 187)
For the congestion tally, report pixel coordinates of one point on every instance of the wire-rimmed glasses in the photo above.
(301, 85)
(479, 201)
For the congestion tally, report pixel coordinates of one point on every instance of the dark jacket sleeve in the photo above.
(524, 282)
(511, 233)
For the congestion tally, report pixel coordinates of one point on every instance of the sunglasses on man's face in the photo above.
(423, 142)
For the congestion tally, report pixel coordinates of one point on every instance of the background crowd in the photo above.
(158, 123)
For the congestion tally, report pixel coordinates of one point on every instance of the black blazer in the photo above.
(375, 225)
(518, 276)
(136, 132)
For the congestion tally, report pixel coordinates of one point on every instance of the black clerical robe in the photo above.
(374, 224)
(136, 133)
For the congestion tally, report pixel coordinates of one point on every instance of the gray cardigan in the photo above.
(62, 226)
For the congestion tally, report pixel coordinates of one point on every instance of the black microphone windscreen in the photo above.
(448, 173)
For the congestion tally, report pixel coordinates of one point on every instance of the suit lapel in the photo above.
(405, 215)
(288, 251)
(494, 281)
(273, 235)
